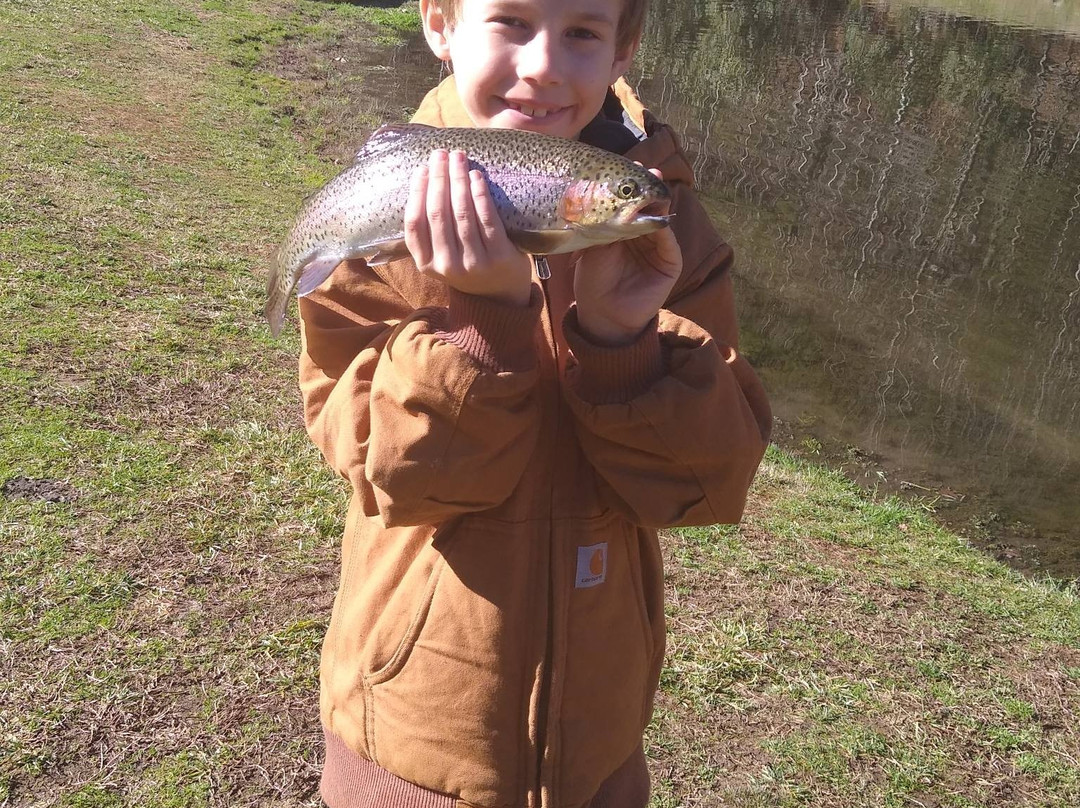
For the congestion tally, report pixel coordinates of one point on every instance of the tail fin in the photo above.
(306, 281)
(276, 304)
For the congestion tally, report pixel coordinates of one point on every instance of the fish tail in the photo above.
(310, 276)
(276, 304)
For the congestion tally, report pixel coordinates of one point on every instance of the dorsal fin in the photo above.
(386, 137)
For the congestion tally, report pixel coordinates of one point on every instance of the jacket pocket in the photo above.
(404, 648)
(450, 708)
(387, 583)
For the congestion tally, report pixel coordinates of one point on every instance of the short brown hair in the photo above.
(631, 21)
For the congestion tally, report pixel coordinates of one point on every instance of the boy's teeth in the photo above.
(529, 111)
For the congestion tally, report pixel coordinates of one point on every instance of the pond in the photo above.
(901, 183)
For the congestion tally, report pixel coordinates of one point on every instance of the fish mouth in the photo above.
(653, 210)
(654, 213)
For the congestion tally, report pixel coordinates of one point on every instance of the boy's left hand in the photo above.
(620, 287)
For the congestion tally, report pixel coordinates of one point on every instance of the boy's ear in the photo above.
(436, 29)
(624, 60)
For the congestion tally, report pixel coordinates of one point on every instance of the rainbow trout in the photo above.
(553, 196)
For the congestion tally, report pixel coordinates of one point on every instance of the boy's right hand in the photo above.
(454, 232)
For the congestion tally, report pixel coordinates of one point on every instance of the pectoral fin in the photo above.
(542, 242)
(384, 251)
(321, 267)
(315, 272)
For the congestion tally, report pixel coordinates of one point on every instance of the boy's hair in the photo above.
(631, 21)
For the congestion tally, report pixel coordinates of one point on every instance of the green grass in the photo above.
(836, 649)
(148, 168)
(862, 656)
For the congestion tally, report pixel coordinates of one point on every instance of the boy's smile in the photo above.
(542, 65)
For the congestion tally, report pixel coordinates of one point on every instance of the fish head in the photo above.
(616, 205)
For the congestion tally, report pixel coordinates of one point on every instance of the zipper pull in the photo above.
(543, 271)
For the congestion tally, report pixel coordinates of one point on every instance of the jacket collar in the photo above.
(442, 106)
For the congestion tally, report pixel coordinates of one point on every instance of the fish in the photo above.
(553, 196)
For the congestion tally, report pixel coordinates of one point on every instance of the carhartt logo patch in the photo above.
(591, 565)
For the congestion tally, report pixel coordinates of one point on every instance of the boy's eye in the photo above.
(509, 22)
(583, 33)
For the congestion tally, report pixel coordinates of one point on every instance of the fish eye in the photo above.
(627, 189)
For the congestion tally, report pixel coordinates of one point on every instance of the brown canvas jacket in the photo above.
(498, 632)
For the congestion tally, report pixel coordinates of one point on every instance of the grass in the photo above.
(836, 649)
(844, 650)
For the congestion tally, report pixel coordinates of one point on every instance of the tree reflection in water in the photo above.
(902, 188)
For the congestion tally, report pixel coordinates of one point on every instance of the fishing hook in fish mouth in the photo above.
(651, 212)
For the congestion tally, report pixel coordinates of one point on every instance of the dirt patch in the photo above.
(356, 83)
(39, 489)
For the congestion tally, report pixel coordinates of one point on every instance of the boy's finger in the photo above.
(440, 213)
(462, 202)
(491, 226)
(417, 233)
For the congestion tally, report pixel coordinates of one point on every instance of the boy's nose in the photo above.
(539, 60)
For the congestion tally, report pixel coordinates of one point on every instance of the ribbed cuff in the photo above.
(350, 781)
(498, 335)
(607, 375)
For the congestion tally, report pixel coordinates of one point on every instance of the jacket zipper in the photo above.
(545, 766)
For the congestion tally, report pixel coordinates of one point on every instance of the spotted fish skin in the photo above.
(552, 195)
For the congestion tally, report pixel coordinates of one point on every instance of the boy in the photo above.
(513, 444)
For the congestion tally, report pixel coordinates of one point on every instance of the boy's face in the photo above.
(542, 65)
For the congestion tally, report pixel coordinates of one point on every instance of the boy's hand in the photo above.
(620, 287)
(454, 232)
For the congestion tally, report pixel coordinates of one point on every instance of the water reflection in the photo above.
(902, 186)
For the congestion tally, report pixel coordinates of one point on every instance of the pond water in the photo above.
(901, 183)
